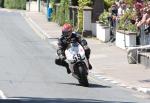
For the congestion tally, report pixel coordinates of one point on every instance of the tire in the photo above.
(83, 77)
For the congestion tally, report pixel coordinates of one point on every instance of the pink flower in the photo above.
(138, 5)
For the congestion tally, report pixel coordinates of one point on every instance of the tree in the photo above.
(64, 12)
(82, 4)
(108, 3)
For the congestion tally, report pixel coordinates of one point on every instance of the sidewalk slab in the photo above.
(108, 61)
(51, 29)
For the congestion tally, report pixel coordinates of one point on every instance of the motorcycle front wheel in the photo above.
(83, 77)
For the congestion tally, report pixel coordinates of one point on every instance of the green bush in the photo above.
(63, 13)
(130, 2)
(103, 18)
(52, 2)
(108, 4)
(56, 1)
(125, 22)
(75, 2)
(15, 4)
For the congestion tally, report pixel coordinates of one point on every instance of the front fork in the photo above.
(72, 66)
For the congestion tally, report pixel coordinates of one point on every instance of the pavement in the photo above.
(109, 62)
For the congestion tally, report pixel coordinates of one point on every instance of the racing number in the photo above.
(77, 57)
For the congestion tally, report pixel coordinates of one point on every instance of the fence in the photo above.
(144, 36)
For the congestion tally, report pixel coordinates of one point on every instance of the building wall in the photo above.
(32, 6)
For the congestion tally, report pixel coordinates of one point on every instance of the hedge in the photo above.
(15, 4)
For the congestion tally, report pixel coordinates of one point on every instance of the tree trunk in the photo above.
(98, 8)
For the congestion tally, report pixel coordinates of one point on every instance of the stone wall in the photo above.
(32, 6)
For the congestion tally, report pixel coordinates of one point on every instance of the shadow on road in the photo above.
(145, 81)
(90, 85)
(55, 100)
(98, 86)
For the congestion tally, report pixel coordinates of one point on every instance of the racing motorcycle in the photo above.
(75, 57)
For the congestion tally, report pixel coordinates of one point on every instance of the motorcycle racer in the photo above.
(67, 36)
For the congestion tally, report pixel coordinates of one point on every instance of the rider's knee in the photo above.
(61, 62)
(84, 42)
(86, 48)
(58, 61)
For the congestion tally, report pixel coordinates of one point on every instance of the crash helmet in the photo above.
(67, 30)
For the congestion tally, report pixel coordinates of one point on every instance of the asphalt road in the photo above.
(28, 73)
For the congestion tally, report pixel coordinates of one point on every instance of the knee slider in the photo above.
(84, 42)
(58, 61)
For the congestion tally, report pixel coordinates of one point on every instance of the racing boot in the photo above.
(63, 63)
(90, 66)
(67, 66)
(68, 69)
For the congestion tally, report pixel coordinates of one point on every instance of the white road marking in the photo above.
(114, 82)
(145, 90)
(35, 27)
(54, 43)
(2, 95)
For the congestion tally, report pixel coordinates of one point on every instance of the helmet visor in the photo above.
(67, 33)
